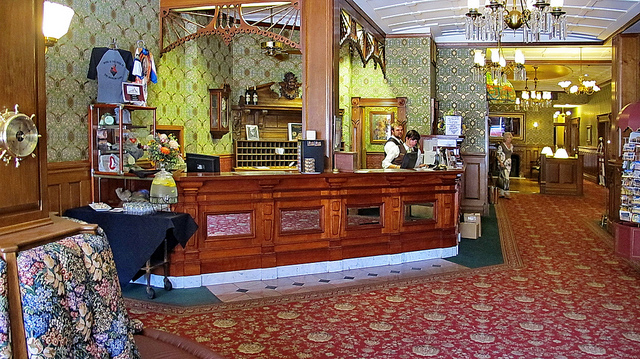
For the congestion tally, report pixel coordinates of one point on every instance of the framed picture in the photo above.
(589, 135)
(294, 131)
(133, 93)
(380, 124)
(252, 133)
(499, 123)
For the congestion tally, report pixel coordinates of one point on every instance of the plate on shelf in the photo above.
(100, 206)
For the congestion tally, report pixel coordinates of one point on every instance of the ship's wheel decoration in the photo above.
(18, 136)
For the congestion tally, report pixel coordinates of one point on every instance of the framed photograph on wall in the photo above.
(294, 131)
(499, 123)
(380, 126)
(252, 133)
(589, 135)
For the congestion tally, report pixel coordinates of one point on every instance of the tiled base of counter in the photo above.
(301, 269)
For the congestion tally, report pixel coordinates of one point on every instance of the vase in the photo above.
(163, 188)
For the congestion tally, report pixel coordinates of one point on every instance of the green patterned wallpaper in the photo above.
(408, 75)
(188, 71)
(457, 91)
(69, 92)
(185, 74)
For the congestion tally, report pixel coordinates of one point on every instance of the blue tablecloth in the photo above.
(133, 238)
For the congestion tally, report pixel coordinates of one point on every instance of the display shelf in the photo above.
(266, 154)
(111, 128)
(630, 190)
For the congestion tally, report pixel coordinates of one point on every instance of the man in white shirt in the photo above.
(402, 154)
(393, 143)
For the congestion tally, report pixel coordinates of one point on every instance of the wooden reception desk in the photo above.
(561, 175)
(250, 220)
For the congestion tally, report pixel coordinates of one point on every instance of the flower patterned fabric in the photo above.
(72, 302)
(5, 344)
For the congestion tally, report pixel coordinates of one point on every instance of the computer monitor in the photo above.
(202, 163)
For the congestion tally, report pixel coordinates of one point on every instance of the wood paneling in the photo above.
(561, 176)
(475, 183)
(590, 166)
(265, 197)
(69, 185)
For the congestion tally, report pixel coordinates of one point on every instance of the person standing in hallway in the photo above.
(503, 154)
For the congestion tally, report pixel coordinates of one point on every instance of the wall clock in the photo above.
(18, 136)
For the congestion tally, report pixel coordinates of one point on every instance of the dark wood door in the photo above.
(23, 197)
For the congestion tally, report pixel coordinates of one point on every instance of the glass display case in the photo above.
(117, 134)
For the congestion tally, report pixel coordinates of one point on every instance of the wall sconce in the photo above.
(535, 125)
(547, 151)
(55, 22)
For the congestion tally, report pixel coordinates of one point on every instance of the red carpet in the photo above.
(561, 294)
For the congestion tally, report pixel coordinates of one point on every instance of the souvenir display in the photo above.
(630, 191)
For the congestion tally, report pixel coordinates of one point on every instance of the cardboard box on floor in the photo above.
(471, 225)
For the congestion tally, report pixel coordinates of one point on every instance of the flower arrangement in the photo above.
(163, 150)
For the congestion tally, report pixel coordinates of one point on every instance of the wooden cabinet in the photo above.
(220, 111)
(116, 134)
(268, 155)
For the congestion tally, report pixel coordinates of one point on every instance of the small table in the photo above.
(134, 238)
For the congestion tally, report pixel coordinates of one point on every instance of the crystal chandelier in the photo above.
(538, 17)
(533, 100)
(584, 86)
(497, 68)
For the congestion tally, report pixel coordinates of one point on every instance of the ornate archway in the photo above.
(182, 21)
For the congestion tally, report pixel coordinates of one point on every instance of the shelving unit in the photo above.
(252, 155)
(630, 192)
(110, 126)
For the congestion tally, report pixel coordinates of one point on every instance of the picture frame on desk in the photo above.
(252, 133)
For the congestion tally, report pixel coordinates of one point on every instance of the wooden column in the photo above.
(319, 75)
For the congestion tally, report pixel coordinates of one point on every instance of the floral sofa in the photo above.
(72, 307)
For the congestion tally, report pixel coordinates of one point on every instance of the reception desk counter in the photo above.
(561, 176)
(250, 220)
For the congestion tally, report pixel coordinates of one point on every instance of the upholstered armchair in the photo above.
(72, 307)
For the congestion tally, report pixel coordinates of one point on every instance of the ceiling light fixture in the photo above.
(534, 100)
(272, 48)
(537, 18)
(584, 86)
(498, 67)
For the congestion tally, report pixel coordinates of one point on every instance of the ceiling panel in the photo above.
(589, 23)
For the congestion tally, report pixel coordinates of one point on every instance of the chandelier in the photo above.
(497, 68)
(533, 100)
(584, 86)
(538, 17)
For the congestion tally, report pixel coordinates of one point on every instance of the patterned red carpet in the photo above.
(561, 294)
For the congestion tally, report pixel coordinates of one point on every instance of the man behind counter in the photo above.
(402, 155)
